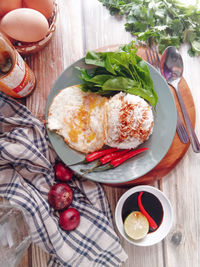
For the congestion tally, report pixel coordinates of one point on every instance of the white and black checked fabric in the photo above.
(26, 174)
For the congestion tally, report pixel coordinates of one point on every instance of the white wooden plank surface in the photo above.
(87, 25)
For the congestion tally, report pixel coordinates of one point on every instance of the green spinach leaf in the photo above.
(118, 71)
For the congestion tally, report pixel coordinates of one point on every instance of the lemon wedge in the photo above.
(136, 225)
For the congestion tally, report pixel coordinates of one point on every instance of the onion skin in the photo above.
(62, 172)
(60, 196)
(69, 219)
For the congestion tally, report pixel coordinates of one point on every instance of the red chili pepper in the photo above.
(116, 162)
(96, 155)
(151, 221)
(107, 158)
(130, 154)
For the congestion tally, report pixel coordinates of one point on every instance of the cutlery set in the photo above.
(171, 67)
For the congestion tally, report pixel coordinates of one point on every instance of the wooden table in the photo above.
(84, 25)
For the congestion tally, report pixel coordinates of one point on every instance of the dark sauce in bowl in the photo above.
(151, 204)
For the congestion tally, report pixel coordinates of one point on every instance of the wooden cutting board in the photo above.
(177, 149)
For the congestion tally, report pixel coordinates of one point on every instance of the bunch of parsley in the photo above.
(165, 22)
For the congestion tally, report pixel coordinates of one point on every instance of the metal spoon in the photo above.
(172, 69)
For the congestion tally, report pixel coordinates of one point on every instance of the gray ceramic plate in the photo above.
(158, 144)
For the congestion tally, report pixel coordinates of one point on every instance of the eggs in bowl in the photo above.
(88, 121)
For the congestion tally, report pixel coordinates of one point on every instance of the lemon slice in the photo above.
(136, 225)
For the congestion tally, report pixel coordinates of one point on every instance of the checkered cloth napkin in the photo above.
(26, 172)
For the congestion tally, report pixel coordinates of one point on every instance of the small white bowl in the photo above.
(165, 226)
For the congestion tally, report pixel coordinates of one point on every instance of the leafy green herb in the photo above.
(118, 71)
(166, 22)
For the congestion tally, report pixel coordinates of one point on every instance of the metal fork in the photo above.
(154, 60)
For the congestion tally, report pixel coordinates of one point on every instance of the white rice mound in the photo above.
(129, 121)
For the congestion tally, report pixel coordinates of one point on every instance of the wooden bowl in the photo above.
(30, 48)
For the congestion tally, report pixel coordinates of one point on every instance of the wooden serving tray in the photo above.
(177, 149)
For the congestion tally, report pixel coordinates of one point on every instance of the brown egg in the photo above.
(8, 5)
(25, 24)
(43, 6)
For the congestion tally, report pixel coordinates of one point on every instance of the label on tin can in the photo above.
(20, 80)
